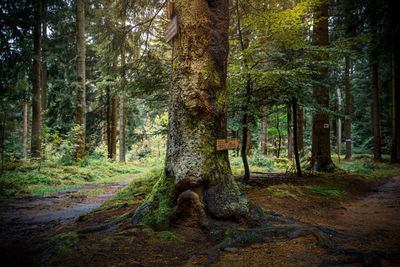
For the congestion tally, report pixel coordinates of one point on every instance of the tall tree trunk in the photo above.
(300, 130)
(122, 146)
(248, 143)
(349, 111)
(197, 183)
(289, 132)
(108, 122)
(376, 118)
(245, 118)
(278, 153)
(395, 153)
(81, 78)
(26, 125)
(35, 137)
(295, 138)
(44, 75)
(339, 122)
(114, 112)
(264, 134)
(321, 149)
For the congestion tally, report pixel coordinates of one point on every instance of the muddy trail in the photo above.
(33, 220)
(361, 230)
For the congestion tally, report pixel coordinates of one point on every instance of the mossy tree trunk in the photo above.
(264, 134)
(321, 149)
(347, 122)
(197, 184)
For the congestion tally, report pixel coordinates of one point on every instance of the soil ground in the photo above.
(364, 228)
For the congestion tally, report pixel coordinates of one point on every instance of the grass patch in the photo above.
(169, 236)
(44, 178)
(88, 193)
(282, 190)
(330, 192)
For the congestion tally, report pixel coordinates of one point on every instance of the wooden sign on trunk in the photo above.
(225, 144)
(172, 29)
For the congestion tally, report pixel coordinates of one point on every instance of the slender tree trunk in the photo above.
(197, 183)
(339, 122)
(289, 133)
(81, 78)
(295, 138)
(122, 147)
(26, 126)
(395, 153)
(114, 112)
(264, 134)
(349, 111)
(248, 145)
(108, 122)
(300, 129)
(245, 118)
(35, 142)
(321, 149)
(278, 154)
(44, 76)
(376, 118)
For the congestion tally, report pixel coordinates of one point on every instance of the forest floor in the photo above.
(361, 218)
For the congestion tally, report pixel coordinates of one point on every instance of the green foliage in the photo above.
(169, 236)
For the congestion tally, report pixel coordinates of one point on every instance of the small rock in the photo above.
(257, 246)
(231, 250)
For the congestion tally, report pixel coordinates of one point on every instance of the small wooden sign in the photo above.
(225, 144)
(172, 29)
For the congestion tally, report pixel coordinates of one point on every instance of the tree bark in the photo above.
(339, 122)
(114, 112)
(349, 111)
(26, 125)
(321, 150)
(81, 78)
(197, 185)
(295, 138)
(264, 134)
(122, 146)
(35, 137)
(108, 122)
(289, 133)
(395, 153)
(376, 118)
(300, 130)
(44, 76)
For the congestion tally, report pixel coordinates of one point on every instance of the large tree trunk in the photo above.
(395, 153)
(376, 118)
(81, 78)
(289, 132)
(26, 126)
(339, 123)
(321, 150)
(349, 111)
(35, 137)
(300, 130)
(264, 134)
(197, 182)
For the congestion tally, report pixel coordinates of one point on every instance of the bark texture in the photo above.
(35, 137)
(300, 130)
(376, 117)
(26, 133)
(113, 137)
(122, 146)
(349, 111)
(80, 108)
(44, 77)
(321, 150)
(196, 176)
(264, 138)
(395, 153)
(289, 133)
(339, 123)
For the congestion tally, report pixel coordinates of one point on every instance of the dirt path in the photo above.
(34, 219)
